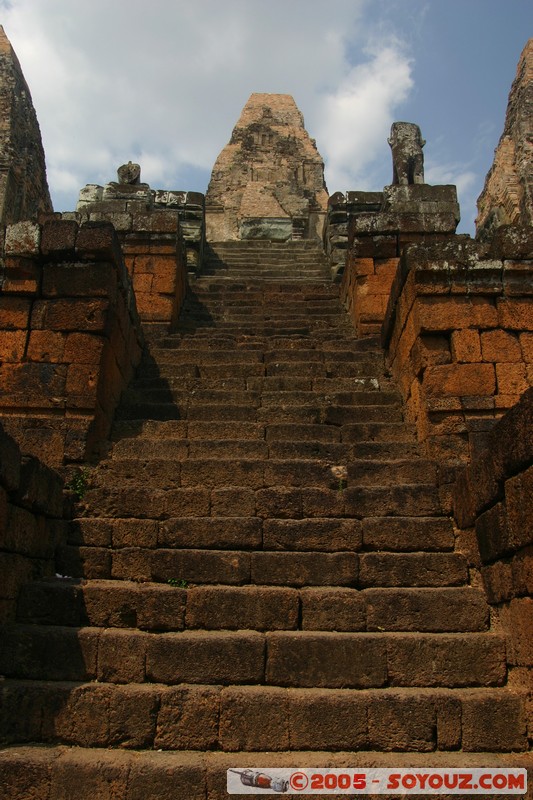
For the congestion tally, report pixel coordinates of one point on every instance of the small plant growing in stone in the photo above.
(79, 483)
(341, 473)
(178, 583)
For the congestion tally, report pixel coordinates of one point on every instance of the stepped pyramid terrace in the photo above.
(265, 470)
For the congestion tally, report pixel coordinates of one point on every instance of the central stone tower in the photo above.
(268, 182)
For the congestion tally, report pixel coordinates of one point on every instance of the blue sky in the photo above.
(163, 83)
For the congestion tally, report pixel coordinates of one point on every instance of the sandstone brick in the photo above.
(224, 532)
(475, 659)
(332, 609)
(363, 266)
(493, 723)
(70, 315)
(12, 346)
(21, 276)
(460, 380)
(526, 344)
(301, 569)
(397, 722)
(79, 280)
(82, 381)
(517, 621)
(173, 778)
(35, 384)
(49, 653)
(465, 345)
(98, 241)
(83, 348)
(241, 708)
(47, 346)
(247, 608)
(59, 238)
(412, 569)
(211, 658)
(77, 768)
(332, 660)
(14, 312)
(432, 314)
(499, 345)
(121, 656)
(201, 566)
(515, 314)
(188, 718)
(491, 532)
(511, 379)
(22, 238)
(315, 534)
(130, 563)
(327, 719)
(24, 777)
(519, 508)
(406, 534)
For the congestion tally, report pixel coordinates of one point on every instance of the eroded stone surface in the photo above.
(23, 186)
(507, 197)
(268, 182)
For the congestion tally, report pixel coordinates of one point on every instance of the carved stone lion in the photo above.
(129, 174)
(407, 158)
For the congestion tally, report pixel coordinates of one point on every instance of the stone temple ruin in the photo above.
(265, 467)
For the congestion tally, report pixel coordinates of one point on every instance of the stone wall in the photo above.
(377, 228)
(459, 336)
(494, 498)
(31, 522)
(70, 336)
(162, 238)
(23, 185)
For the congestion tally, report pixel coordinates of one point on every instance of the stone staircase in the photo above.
(260, 571)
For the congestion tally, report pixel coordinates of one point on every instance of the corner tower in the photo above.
(23, 185)
(268, 182)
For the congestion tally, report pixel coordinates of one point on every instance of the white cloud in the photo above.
(357, 115)
(164, 83)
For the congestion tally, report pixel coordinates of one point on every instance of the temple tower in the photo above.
(23, 185)
(268, 182)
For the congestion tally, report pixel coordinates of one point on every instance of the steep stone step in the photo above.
(196, 717)
(159, 607)
(310, 465)
(381, 534)
(279, 658)
(44, 772)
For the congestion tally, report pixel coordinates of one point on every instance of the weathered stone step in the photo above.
(272, 383)
(294, 358)
(159, 607)
(51, 772)
(158, 461)
(206, 340)
(256, 399)
(301, 414)
(278, 658)
(204, 717)
(313, 468)
(295, 567)
(367, 472)
(275, 501)
(382, 534)
(364, 369)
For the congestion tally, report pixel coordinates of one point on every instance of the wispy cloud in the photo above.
(357, 116)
